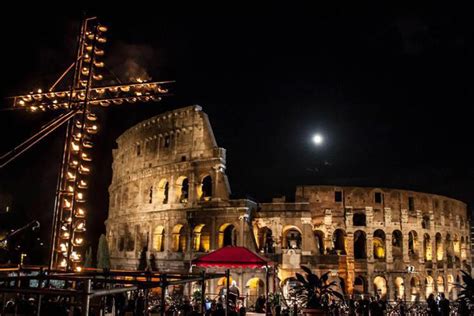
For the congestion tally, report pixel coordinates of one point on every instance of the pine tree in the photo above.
(103, 257)
(88, 259)
(142, 264)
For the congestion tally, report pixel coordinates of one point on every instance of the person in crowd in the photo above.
(432, 307)
(443, 305)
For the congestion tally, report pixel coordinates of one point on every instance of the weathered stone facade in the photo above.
(170, 193)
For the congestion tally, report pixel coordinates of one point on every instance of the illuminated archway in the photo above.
(182, 189)
(201, 238)
(413, 244)
(380, 286)
(359, 285)
(179, 238)
(163, 191)
(379, 244)
(427, 252)
(227, 235)
(360, 245)
(159, 238)
(254, 288)
(397, 244)
(439, 247)
(204, 189)
(339, 241)
(450, 287)
(440, 284)
(291, 237)
(399, 288)
(429, 285)
(415, 289)
(319, 241)
(265, 240)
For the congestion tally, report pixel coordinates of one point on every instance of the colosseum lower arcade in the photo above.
(170, 195)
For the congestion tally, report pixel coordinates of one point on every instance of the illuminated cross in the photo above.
(76, 106)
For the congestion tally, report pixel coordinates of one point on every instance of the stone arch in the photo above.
(201, 238)
(413, 244)
(204, 189)
(254, 288)
(456, 246)
(415, 289)
(427, 251)
(360, 245)
(179, 238)
(397, 244)
(429, 285)
(265, 239)
(339, 241)
(163, 191)
(182, 189)
(227, 235)
(448, 245)
(291, 237)
(159, 238)
(360, 285)
(379, 244)
(380, 286)
(450, 287)
(439, 247)
(319, 241)
(399, 287)
(440, 284)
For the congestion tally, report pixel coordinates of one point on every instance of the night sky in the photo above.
(390, 90)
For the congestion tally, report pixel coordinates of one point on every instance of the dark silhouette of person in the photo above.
(432, 306)
(444, 305)
(374, 307)
(234, 293)
(260, 304)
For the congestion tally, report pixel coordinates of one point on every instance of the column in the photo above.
(406, 256)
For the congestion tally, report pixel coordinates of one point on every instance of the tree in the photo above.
(88, 259)
(103, 257)
(142, 264)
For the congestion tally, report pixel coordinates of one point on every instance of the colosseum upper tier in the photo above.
(170, 194)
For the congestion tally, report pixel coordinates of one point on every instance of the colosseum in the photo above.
(170, 194)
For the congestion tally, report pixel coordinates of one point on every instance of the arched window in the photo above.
(380, 286)
(319, 240)
(449, 249)
(413, 244)
(159, 238)
(399, 288)
(227, 235)
(339, 241)
(360, 245)
(150, 195)
(359, 285)
(292, 238)
(439, 247)
(202, 238)
(379, 244)
(429, 285)
(265, 240)
(179, 238)
(415, 289)
(397, 244)
(205, 189)
(163, 189)
(182, 192)
(427, 253)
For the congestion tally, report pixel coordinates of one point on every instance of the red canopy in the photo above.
(231, 257)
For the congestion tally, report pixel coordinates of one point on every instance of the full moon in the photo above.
(318, 139)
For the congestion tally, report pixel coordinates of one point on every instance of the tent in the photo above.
(233, 257)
